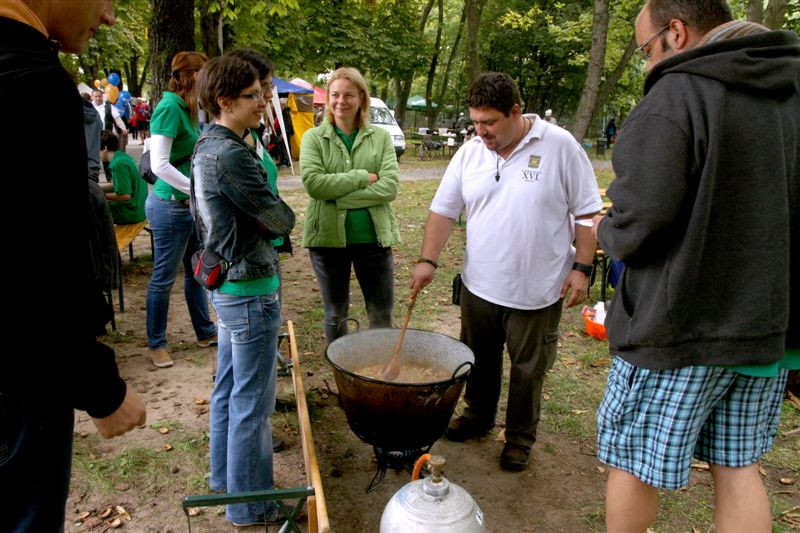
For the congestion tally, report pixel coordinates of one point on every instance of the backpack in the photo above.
(146, 170)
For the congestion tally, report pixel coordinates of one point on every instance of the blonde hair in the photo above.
(353, 76)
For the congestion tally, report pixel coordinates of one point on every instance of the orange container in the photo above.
(594, 329)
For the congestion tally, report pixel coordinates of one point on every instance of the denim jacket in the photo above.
(235, 206)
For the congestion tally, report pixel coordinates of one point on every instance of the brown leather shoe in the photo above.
(463, 428)
(160, 357)
(208, 343)
(515, 456)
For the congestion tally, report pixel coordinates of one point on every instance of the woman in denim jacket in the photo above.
(350, 173)
(238, 214)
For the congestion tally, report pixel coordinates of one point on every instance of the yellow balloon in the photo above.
(112, 93)
(97, 83)
(104, 82)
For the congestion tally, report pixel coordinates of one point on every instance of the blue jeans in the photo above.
(174, 241)
(375, 274)
(244, 398)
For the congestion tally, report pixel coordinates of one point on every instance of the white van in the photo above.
(379, 115)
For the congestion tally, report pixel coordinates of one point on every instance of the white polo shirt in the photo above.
(520, 229)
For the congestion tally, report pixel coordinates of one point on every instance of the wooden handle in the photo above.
(309, 453)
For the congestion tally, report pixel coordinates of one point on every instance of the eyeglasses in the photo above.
(255, 97)
(268, 89)
(646, 55)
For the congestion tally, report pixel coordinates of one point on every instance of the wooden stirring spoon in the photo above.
(392, 369)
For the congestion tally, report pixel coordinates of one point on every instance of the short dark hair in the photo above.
(109, 141)
(703, 15)
(223, 77)
(497, 90)
(263, 65)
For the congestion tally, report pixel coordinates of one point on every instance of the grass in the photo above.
(573, 387)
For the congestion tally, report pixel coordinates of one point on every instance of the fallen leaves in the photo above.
(167, 447)
(122, 512)
(793, 400)
(790, 517)
(111, 517)
(163, 430)
(788, 480)
(200, 401)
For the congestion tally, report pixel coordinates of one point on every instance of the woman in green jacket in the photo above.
(350, 173)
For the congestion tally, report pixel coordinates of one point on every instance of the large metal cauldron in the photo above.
(396, 415)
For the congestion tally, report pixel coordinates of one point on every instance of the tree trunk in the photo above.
(402, 89)
(209, 29)
(612, 80)
(775, 15)
(171, 31)
(755, 11)
(474, 10)
(429, 112)
(445, 78)
(586, 107)
(131, 74)
(145, 70)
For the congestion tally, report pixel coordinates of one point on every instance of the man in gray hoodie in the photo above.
(705, 219)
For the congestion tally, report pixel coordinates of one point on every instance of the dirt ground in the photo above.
(562, 486)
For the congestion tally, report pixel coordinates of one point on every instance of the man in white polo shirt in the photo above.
(530, 192)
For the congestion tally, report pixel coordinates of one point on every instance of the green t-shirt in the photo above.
(791, 361)
(127, 181)
(272, 175)
(251, 287)
(171, 119)
(358, 225)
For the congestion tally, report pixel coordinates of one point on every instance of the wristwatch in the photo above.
(583, 268)
(429, 261)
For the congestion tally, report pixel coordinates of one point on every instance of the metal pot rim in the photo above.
(452, 379)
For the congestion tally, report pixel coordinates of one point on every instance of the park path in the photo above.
(410, 169)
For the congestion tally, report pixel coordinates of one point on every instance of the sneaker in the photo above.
(208, 343)
(160, 357)
(463, 428)
(275, 517)
(277, 444)
(515, 456)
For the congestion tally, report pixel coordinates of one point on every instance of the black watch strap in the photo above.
(429, 261)
(583, 268)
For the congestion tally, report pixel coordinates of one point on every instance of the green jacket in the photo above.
(336, 181)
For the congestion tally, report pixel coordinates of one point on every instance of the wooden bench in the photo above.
(126, 234)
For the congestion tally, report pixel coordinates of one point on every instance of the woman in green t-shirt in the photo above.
(174, 131)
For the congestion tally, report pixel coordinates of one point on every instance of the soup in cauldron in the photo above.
(409, 373)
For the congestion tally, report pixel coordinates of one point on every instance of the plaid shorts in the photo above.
(652, 422)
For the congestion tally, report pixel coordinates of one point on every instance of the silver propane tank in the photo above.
(432, 505)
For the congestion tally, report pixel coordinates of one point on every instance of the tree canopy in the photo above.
(404, 47)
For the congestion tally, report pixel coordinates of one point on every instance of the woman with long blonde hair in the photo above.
(174, 131)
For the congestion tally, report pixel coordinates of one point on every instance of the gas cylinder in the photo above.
(432, 505)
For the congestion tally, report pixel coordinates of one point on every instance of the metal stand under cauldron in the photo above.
(400, 420)
(394, 459)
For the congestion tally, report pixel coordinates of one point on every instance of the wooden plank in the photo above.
(306, 438)
(127, 232)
